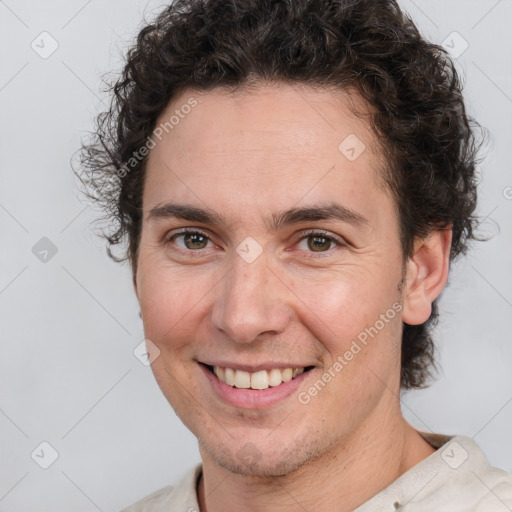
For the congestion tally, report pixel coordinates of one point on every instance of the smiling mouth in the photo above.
(261, 380)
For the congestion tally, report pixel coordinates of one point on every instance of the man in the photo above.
(293, 179)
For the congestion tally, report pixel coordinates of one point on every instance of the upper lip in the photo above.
(251, 368)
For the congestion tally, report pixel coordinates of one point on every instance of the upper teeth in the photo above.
(257, 380)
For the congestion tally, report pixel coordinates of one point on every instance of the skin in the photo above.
(247, 155)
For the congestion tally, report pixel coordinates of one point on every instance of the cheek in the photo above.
(169, 301)
(354, 318)
(339, 304)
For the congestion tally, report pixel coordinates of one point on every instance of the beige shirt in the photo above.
(456, 478)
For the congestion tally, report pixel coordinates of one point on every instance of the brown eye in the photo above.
(319, 243)
(191, 240)
(195, 241)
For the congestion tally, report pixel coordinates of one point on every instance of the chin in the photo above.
(269, 462)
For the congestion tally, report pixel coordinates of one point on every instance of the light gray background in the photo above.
(70, 324)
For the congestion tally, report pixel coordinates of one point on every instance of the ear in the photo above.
(426, 275)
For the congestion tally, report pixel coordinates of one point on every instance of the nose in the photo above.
(251, 300)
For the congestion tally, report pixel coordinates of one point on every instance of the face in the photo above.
(267, 246)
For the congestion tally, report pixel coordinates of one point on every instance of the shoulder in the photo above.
(497, 490)
(463, 479)
(457, 477)
(151, 503)
(484, 489)
(181, 496)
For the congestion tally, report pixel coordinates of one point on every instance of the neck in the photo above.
(342, 479)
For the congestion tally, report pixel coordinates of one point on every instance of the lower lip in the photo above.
(253, 398)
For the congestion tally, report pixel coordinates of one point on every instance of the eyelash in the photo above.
(340, 243)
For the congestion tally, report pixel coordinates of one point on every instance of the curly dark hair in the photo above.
(419, 116)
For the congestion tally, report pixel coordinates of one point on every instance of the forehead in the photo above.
(270, 145)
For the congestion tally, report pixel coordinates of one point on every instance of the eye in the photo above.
(190, 240)
(319, 241)
(313, 241)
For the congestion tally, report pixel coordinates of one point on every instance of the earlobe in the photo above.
(426, 275)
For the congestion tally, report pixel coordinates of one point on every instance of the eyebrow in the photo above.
(276, 221)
